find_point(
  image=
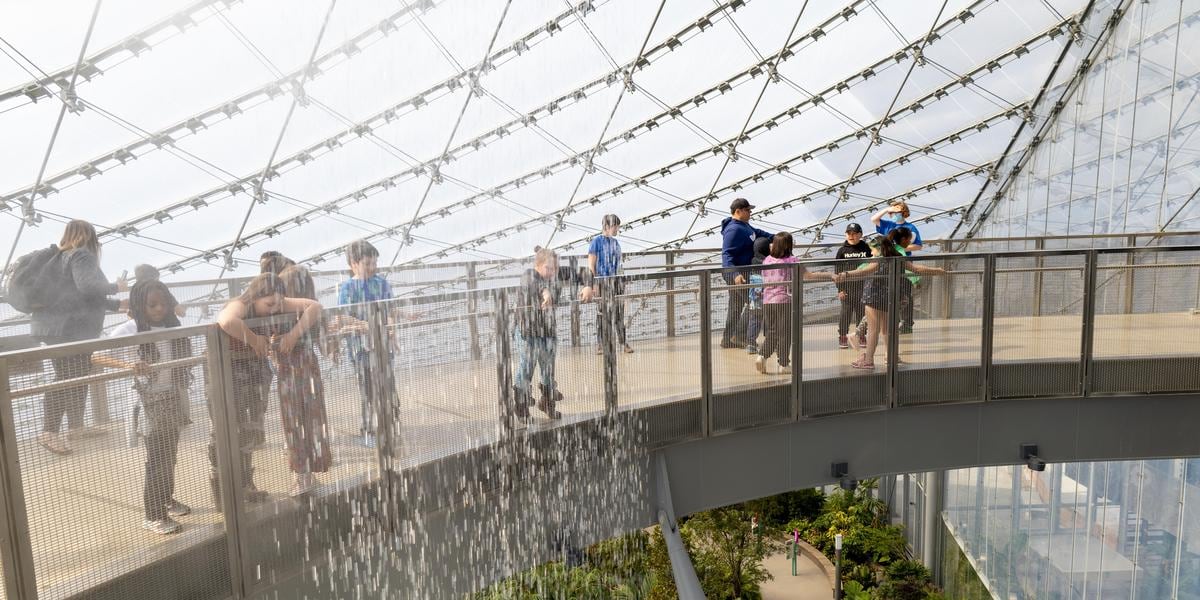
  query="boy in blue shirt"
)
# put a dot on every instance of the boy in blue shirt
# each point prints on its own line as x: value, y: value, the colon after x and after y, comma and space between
x: 604, y: 259
x: 900, y: 213
x: 365, y: 286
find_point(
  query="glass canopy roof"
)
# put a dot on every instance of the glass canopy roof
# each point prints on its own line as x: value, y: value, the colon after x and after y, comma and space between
x: 450, y: 130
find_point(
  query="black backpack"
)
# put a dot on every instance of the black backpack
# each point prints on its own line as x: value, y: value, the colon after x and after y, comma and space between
x: 37, y: 280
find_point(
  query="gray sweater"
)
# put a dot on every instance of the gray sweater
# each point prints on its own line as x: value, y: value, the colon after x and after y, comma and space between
x: 78, y: 314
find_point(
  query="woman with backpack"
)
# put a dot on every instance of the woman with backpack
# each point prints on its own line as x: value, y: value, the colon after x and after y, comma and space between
x: 77, y: 296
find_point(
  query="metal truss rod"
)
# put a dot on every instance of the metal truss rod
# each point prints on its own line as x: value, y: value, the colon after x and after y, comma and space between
x: 716, y: 149
x: 224, y: 111
x: 258, y: 196
x: 366, y: 128
x: 975, y: 214
x: 818, y: 227
x: 436, y: 164
x: 630, y: 88
x: 1143, y: 182
x: 69, y: 102
x: 633, y: 223
x: 917, y: 52
x: 912, y: 193
x: 529, y: 120
x: 129, y: 48
x: 731, y: 149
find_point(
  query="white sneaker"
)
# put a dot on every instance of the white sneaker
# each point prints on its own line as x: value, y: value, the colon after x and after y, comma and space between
x: 760, y: 364
x: 165, y: 526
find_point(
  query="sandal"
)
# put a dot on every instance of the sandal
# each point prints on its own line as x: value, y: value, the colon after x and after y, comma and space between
x: 51, y: 442
x: 862, y: 363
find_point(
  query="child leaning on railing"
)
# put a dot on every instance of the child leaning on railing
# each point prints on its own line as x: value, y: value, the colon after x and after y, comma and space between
x: 160, y: 409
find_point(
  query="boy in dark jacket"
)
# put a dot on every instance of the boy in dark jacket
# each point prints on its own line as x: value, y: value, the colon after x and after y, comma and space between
x: 850, y: 291
x: 737, y: 250
x: 535, y: 329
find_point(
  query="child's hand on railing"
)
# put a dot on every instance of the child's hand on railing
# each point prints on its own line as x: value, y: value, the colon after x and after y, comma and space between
x: 141, y: 368
x: 288, y: 341
x: 585, y: 294
x: 259, y: 344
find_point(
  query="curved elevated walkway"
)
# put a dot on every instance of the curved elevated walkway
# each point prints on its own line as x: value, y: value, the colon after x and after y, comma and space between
x: 466, y: 501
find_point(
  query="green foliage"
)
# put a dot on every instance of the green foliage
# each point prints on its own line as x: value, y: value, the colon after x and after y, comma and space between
x: 611, y: 569
x: 853, y: 590
x: 905, y: 580
x: 783, y: 508
x: 658, y: 563
x: 728, y: 553
x: 863, y: 522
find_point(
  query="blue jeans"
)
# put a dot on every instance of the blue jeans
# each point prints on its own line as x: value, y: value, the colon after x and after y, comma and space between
x: 366, y: 391
x: 534, y: 351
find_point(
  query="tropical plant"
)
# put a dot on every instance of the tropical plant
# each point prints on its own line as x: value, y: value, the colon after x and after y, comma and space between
x: 728, y: 551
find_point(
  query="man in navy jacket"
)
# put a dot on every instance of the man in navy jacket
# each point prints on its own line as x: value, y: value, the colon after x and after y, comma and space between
x: 737, y: 250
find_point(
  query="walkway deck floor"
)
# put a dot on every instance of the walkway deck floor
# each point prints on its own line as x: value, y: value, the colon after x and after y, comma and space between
x: 85, y: 509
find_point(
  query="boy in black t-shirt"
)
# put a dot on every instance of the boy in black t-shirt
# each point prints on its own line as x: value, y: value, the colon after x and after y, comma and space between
x: 850, y: 292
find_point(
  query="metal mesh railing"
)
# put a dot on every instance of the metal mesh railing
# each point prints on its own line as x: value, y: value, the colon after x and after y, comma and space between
x: 393, y: 386
x: 91, y: 489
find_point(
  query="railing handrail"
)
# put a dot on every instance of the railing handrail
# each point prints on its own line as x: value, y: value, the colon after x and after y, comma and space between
x: 106, y: 343
x: 216, y: 357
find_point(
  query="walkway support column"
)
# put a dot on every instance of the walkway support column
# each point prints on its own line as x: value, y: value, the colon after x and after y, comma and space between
x: 935, y: 482
x: 687, y: 584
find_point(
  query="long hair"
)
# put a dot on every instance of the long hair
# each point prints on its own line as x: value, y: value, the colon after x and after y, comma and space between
x: 298, y: 283
x: 266, y: 284
x: 80, y: 234
x: 887, y: 245
x: 782, y: 244
x: 139, y: 303
x: 273, y: 261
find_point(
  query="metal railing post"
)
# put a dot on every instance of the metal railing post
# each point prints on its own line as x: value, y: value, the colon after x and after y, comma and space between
x: 706, y: 385
x: 607, y: 313
x: 987, y: 319
x: 797, y: 309
x: 893, y: 325
x: 504, y: 377
x: 575, y: 309
x: 383, y: 392
x: 16, y: 552
x: 226, y: 436
x: 472, y: 309
x: 1089, y: 322
x: 1131, y: 241
x: 1038, y: 275
x: 670, y: 266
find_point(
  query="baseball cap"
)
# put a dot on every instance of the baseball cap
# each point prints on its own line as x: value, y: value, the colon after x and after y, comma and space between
x: 853, y: 228
x: 739, y: 204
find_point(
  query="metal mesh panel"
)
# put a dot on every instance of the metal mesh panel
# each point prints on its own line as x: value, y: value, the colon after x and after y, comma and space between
x: 445, y: 377
x: 940, y: 360
x: 1148, y: 300
x: 1038, y: 325
x: 86, y: 508
x: 749, y: 387
x: 312, y: 427
x: 579, y: 371
x: 831, y: 384
x: 661, y: 378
